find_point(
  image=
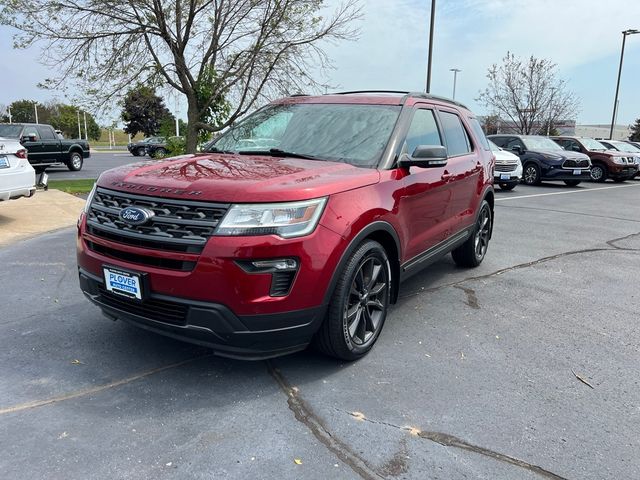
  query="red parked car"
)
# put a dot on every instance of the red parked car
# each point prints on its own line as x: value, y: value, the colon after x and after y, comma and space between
x: 298, y: 225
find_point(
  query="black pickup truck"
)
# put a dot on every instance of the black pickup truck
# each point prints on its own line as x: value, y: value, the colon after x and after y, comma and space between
x: 45, y: 148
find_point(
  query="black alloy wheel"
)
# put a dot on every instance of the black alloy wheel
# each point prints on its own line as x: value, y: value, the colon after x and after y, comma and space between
x: 359, y: 304
x: 473, y: 250
x: 572, y: 183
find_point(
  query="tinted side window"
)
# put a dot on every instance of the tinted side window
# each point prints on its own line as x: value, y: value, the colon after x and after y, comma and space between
x: 477, y: 131
x: 28, y: 131
x: 46, y: 133
x: 423, y: 131
x: 457, y: 138
x: 500, y: 141
x: 513, y: 142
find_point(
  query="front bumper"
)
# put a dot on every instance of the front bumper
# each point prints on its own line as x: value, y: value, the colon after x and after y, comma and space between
x: 249, y: 337
x: 566, y: 174
x: 514, y: 176
x: 623, y: 171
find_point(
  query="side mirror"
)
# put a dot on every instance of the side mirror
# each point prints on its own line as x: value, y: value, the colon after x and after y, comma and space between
x: 425, y: 156
x: 575, y: 148
x: 28, y: 138
x: 517, y: 149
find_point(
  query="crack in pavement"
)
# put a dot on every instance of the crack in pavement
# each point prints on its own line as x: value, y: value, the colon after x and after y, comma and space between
x: 570, y: 213
x: 97, y: 389
x: 610, y: 243
x: 447, y: 440
x: 472, y: 299
x: 305, y: 415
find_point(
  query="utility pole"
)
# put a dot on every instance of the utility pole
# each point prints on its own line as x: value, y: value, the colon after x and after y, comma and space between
x: 86, y: 136
x: 177, y: 120
x: 455, y: 77
x: 9, y: 110
x: 615, y: 101
x: 35, y: 107
x: 433, y: 19
x: 79, y: 131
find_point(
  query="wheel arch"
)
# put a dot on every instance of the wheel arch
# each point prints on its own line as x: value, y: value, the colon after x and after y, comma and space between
x: 383, y: 233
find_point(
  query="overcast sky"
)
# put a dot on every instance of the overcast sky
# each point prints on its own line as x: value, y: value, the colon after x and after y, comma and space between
x: 582, y: 36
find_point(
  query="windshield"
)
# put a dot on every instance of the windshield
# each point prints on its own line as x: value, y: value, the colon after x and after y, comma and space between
x: 540, y: 143
x: 350, y: 133
x: 625, y: 147
x: 494, y: 147
x: 593, y: 145
x: 10, y: 131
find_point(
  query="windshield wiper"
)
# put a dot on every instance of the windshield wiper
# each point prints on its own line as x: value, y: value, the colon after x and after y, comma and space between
x: 217, y: 150
x: 276, y: 152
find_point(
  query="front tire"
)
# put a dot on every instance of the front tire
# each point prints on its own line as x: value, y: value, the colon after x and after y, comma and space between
x: 531, y: 174
x: 507, y: 186
x: 572, y: 183
x: 75, y: 162
x: 598, y: 173
x: 359, y: 306
x: 140, y: 152
x: 471, y: 253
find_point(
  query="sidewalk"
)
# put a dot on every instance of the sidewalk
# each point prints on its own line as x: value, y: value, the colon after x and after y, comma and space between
x: 46, y: 211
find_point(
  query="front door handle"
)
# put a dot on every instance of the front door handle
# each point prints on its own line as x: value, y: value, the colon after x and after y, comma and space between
x: 446, y: 176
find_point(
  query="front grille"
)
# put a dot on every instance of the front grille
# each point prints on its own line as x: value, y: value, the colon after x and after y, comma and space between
x: 154, y: 309
x: 505, y: 168
x: 178, y: 225
x: 158, y: 262
x: 576, y: 164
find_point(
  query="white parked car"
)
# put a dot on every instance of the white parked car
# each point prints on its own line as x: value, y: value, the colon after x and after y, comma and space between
x: 508, y: 170
x: 17, y: 176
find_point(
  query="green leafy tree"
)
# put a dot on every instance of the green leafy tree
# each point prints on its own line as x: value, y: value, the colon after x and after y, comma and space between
x: 635, y: 131
x: 144, y: 111
x: 246, y: 51
x: 22, y: 111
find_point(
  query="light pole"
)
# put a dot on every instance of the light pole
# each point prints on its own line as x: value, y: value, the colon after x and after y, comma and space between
x: 630, y: 31
x: 455, y: 77
x: 433, y: 19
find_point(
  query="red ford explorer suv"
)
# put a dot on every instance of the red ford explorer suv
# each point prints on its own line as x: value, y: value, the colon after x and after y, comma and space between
x: 297, y: 225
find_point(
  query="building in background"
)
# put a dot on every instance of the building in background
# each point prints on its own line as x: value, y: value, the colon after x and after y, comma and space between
x: 493, y: 124
x: 620, y: 132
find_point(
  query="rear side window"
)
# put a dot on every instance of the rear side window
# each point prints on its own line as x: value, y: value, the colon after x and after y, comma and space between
x: 46, y: 133
x: 423, y: 131
x: 477, y: 131
x: 457, y: 139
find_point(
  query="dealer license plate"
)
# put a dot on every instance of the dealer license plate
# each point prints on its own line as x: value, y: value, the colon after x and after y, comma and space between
x: 577, y: 172
x: 4, y: 161
x: 123, y: 283
x: 505, y: 176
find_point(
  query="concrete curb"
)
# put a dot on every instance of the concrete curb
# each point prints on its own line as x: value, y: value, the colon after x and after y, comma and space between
x: 44, y: 212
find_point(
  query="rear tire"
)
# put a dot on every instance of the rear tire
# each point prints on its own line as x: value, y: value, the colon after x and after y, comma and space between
x: 471, y: 253
x: 359, y: 304
x: 75, y: 162
x: 572, y: 183
x: 140, y: 152
x: 620, y: 180
x: 160, y: 153
x: 39, y: 170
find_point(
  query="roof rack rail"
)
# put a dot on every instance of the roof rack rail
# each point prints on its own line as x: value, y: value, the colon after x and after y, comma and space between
x: 369, y: 91
x: 406, y: 94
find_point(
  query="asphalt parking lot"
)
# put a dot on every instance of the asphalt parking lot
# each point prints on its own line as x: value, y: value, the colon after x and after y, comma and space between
x: 98, y: 162
x: 526, y: 367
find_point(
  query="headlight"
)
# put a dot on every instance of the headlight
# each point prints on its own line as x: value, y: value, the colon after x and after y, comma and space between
x: 90, y: 198
x: 618, y: 160
x: 288, y: 220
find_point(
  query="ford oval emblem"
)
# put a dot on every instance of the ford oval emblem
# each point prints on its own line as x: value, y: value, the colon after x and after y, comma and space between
x: 136, y: 215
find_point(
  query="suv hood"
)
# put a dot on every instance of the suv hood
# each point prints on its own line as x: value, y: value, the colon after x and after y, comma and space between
x: 562, y: 155
x: 238, y: 178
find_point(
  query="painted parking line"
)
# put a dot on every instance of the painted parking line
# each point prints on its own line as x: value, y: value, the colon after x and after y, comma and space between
x: 566, y: 192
